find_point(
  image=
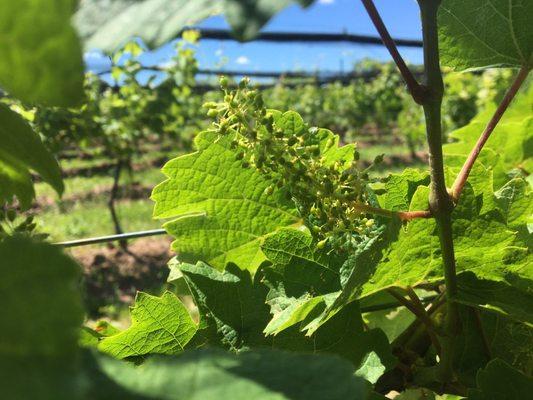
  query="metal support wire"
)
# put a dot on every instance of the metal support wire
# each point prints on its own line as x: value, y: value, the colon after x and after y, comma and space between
x: 305, y: 37
x: 110, y: 238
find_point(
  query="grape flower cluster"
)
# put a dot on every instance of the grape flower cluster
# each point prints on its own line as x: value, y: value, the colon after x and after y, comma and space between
x: 329, y: 190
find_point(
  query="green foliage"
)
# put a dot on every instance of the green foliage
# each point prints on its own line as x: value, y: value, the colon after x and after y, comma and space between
x: 108, y: 25
x: 160, y: 325
x: 499, y: 381
x: 263, y: 375
x: 223, y: 209
x: 484, y: 33
x: 22, y: 151
x: 41, y: 58
x: 220, y: 294
x: 510, y: 145
x: 41, y: 314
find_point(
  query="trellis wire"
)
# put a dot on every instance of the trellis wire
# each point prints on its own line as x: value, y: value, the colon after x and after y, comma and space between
x: 306, y: 37
x: 110, y: 238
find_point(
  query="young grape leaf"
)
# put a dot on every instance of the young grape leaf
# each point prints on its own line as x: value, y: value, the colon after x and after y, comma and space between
x: 298, y: 277
x: 21, y: 151
x: 232, y: 307
x: 107, y: 25
x: 230, y: 302
x: 516, y: 201
x: 41, y: 314
x: 223, y: 210
x: 486, y: 33
x: 160, y: 325
x: 41, y: 55
x: 400, y: 188
x: 500, y: 381
x: 261, y: 375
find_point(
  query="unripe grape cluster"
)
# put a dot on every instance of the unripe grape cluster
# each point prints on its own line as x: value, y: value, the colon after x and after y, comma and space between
x: 328, y: 191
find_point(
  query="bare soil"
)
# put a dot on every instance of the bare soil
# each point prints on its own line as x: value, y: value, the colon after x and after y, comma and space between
x: 112, y: 276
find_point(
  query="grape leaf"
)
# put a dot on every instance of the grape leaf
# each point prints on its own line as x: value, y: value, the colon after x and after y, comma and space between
x: 484, y: 245
x: 392, y: 321
x: 21, y: 151
x: 328, y: 282
x: 510, y: 298
x: 400, y: 188
x: 510, y: 145
x: 486, y: 33
x: 214, y: 374
x: 106, y: 25
x: 499, y: 381
x: 160, y: 325
x: 230, y: 302
x: 232, y: 307
x: 501, y: 338
x: 299, y: 275
x: 41, y: 314
x: 516, y: 202
x: 223, y: 212
x: 41, y: 55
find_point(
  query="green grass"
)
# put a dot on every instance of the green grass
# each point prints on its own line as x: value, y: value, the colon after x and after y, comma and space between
x: 81, y: 184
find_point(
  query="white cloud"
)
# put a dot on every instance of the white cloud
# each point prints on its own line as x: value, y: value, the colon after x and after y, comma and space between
x: 242, y: 60
x: 92, y: 55
x: 326, y: 2
x: 167, y: 64
x: 219, y: 52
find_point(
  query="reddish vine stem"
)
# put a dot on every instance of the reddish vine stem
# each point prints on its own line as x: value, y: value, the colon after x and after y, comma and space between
x: 402, y: 215
x: 461, y: 179
x: 410, y: 215
x: 415, y: 88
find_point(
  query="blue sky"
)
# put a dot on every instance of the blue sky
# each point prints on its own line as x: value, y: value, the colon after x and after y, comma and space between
x: 335, y: 16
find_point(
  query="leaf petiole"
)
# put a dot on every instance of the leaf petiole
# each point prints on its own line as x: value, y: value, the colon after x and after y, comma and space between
x: 462, y: 177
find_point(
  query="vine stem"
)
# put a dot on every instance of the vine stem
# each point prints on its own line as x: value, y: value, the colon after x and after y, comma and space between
x: 416, y: 90
x: 461, y: 179
x: 417, y: 308
x: 440, y: 202
x: 402, y: 215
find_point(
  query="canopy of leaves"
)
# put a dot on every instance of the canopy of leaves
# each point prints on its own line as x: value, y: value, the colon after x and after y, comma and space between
x: 261, y: 375
x: 234, y: 313
x: 106, y: 25
x: 160, y: 325
x: 491, y: 252
x: 223, y: 211
x: 41, y: 55
x: 499, y: 381
x: 486, y: 33
x: 501, y: 338
x: 22, y: 151
x: 40, y: 314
